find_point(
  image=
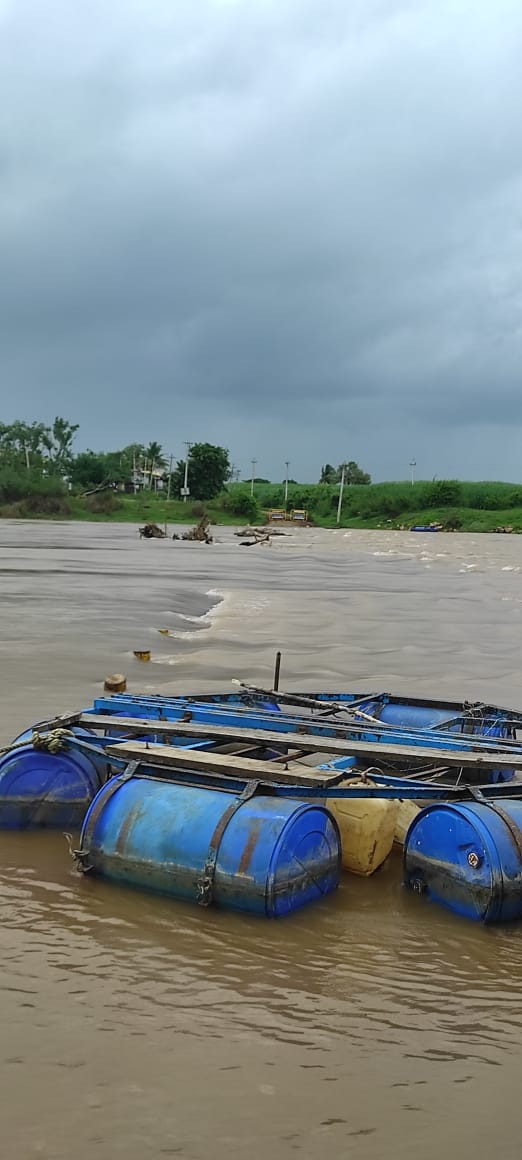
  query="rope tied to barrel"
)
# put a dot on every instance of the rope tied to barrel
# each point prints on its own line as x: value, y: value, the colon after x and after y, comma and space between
x: 50, y: 742
x: 79, y: 857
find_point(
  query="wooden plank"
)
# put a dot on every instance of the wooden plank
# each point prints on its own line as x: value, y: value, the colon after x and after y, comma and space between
x: 179, y: 727
x: 203, y: 761
x: 61, y: 722
x: 378, y: 752
x: 137, y: 725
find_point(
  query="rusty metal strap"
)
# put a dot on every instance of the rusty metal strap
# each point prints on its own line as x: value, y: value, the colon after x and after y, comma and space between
x: 204, y: 887
x: 81, y: 856
x: 514, y: 830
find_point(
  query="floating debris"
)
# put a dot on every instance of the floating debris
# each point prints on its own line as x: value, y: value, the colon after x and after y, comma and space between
x: 200, y: 532
x: 117, y: 683
x: 152, y: 532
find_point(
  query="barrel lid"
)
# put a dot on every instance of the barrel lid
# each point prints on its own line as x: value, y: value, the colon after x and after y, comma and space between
x: 449, y: 855
x: 26, y: 771
x: 306, y: 858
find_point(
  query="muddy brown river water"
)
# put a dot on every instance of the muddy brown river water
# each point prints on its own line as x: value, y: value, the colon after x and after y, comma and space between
x: 371, y: 1026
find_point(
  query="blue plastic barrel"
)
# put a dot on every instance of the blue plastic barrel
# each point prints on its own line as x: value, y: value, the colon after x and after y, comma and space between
x: 40, y: 789
x: 468, y: 857
x: 253, y: 853
x: 98, y: 759
x: 407, y: 716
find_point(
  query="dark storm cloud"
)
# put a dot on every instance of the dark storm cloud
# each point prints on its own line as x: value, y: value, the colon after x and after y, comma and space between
x: 293, y: 227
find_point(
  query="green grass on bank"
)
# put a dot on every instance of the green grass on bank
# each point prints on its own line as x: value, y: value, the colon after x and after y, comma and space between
x: 469, y: 520
x: 458, y: 506
x: 148, y: 508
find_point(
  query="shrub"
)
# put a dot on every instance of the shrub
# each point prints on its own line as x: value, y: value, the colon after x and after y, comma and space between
x: 44, y: 505
x: 442, y: 493
x: 241, y: 503
x: 102, y: 504
x: 20, y: 486
x: 198, y: 510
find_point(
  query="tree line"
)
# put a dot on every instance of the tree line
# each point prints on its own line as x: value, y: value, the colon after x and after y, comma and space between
x: 33, y: 454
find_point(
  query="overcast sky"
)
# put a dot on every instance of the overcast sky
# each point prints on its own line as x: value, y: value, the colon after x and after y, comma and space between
x: 292, y: 227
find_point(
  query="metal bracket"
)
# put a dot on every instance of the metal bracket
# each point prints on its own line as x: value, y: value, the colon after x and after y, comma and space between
x: 204, y: 887
x: 107, y: 791
x: 515, y: 832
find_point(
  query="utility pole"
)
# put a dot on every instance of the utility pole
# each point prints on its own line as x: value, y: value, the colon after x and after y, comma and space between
x: 341, y: 489
x: 185, y: 491
x: 254, y: 465
x: 287, y: 465
x: 168, y: 490
x: 413, y: 464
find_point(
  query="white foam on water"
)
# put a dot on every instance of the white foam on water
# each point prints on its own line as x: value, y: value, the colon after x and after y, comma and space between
x: 183, y: 634
x: 205, y: 616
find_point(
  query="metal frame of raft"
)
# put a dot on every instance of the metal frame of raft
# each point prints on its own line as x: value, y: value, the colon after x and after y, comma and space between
x: 146, y: 763
x: 105, y: 714
x: 358, y: 724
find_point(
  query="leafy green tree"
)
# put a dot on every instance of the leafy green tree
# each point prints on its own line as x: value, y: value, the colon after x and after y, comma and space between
x: 354, y: 474
x: 58, y: 441
x: 88, y: 469
x: 329, y: 474
x: 22, y: 445
x: 130, y: 457
x: 208, y: 471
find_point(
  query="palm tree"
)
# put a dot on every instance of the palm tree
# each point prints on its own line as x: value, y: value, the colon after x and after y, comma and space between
x: 155, y: 458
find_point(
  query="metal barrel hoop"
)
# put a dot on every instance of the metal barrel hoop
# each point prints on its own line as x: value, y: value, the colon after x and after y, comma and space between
x: 205, y: 885
x: 111, y: 787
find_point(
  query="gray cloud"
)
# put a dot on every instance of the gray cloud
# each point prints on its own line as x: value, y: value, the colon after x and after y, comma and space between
x: 291, y: 227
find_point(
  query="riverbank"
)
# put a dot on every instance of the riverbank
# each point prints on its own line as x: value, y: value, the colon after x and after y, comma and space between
x: 149, y: 508
x: 107, y: 507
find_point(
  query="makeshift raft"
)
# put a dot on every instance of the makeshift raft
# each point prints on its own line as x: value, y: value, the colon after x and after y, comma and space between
x: 253, y: 799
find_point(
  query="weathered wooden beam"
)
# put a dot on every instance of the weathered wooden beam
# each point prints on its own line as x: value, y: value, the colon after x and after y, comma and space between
x: 203, y: 761
x: 379, y: 752
x: 61, y: 722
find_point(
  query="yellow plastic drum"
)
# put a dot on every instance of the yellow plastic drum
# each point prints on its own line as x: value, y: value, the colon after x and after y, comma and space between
x: 367, y: 828
x: 407, y: 812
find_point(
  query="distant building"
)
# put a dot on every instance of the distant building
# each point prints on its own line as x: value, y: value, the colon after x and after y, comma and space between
x: 142, y: 479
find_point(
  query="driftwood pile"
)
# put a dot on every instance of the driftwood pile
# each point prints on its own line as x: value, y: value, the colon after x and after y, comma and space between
x: 200, y: 532
x: 151, y: 532
x: 261, y: 536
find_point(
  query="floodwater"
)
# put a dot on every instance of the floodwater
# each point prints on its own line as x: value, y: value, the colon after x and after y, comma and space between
x: 371, y: 1026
